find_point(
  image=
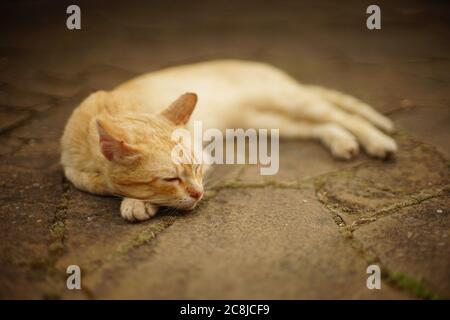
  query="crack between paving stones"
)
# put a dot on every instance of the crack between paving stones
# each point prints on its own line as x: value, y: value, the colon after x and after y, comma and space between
x: 23, y: 143
x: 57, y: 229
x: 397, y: 280
x: 56, y: 248
x: 146, y: 237
x: 413, y: 200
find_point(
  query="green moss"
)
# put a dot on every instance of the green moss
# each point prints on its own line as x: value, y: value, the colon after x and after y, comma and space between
x: 408, y: 283
x: 268, y: 183
x: 57, y: 231
x: 58, y: 227
x: 144, y: 237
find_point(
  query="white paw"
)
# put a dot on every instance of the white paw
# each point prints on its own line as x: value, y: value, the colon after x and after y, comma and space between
x: 345, y: 148
x: 381, y: 121
x: 381, y: 147
x: 137, y: 210
x: 385, y: 124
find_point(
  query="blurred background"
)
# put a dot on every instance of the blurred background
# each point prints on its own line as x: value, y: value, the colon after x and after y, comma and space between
x: 315, y: 41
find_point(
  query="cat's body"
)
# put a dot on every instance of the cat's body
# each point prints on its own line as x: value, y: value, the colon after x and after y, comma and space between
x: 132, y: 122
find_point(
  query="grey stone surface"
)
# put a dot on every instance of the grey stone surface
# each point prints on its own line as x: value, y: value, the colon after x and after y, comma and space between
x: 376, y: 188
x: 414, y: 241
x: 298, y: 161
x: 427, y: 124
x: 15, y: 97
x: 244, y: 243
x: 11, y: 118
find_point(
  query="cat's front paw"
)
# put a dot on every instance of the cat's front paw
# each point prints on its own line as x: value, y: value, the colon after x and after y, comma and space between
x: 137, y: 210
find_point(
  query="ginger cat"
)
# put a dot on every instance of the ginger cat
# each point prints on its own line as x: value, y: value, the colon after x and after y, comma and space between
x: 119, y: 142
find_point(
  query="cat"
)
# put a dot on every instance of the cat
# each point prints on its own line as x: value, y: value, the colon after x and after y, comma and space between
x: 119, y: 142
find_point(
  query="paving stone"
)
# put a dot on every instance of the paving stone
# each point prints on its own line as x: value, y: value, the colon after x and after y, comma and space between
x: 104, y: 77
x: 25, y: 231
x: 244, y: 243
x: 30, y: 185
x: 298, y: 161
x: 10, y: 144
x: 11, y: 118
x: 93, y: 223
x: 14, y: 97
x: 49, y: 127
x: 34, y: 154
x: 418, y: 172
x: 222, y: 175
x: 96, y: 235
x: 414, y: 241
x: 28, y: 204
x: 427, y: 123
x: 51, y: 84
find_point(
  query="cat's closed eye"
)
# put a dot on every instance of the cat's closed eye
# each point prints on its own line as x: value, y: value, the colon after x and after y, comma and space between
x: 172, y: 179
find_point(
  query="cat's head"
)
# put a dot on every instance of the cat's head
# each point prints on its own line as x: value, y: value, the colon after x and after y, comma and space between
x: 138, y: 148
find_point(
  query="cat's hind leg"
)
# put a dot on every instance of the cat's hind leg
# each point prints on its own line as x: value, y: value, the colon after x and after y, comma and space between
x: 339, y: 141
x: 304, y: 105
x: 137, y: 210
x: 87, y: 181
x: 355, y: 106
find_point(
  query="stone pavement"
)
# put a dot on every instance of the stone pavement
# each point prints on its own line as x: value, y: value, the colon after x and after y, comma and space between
x: 308, y: 232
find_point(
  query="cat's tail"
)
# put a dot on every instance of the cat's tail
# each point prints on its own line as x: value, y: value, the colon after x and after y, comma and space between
x: 353, y: 105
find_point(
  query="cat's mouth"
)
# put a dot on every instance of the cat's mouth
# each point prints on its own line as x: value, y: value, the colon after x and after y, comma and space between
x: 188, y: 207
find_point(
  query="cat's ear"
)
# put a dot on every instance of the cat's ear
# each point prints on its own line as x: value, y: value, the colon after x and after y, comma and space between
x: 181, y: 109
x: 113, y: 143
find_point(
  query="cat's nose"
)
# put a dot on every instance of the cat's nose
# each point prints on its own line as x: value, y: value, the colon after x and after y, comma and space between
x: 196, y: 194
